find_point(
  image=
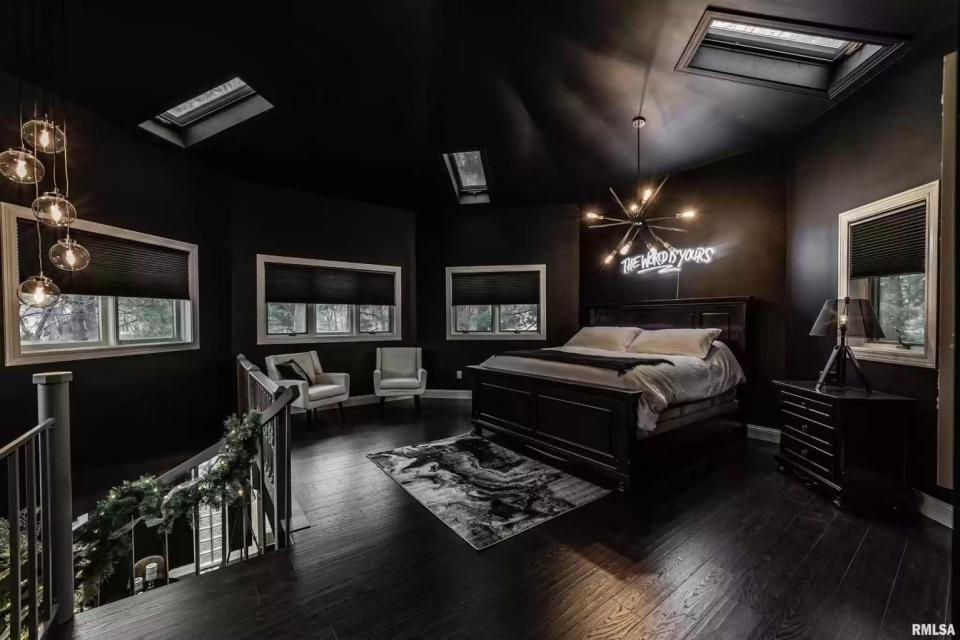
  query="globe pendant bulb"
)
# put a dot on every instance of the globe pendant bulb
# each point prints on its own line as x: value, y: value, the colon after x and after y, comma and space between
x: 53, y: 210
x: 38, y: 292
x: 21, y: 166
x: 44, y: 136
x: 69, y: 255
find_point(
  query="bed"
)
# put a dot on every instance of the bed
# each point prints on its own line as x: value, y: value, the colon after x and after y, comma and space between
x: 594, y: 418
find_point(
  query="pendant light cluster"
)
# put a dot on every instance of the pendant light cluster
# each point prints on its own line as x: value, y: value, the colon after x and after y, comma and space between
x: 22, y: 165
x: 636, y: 215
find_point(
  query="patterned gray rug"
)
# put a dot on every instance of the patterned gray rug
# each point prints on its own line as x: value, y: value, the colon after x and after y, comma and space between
x: 484, y: 492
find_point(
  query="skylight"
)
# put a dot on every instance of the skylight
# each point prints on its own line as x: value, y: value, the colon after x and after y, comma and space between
x: 207, y: 102
x: 468, y: 175
x: 803, y: 40
x: 469, y: 167
x: 208, y: 113
x: 783, y: 54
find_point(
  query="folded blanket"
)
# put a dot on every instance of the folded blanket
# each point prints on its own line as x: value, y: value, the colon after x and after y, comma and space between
x: 620, y: 365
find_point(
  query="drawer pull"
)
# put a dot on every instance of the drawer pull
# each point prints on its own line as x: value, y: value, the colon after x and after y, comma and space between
x: 804, y: 427
x: 804, y: 452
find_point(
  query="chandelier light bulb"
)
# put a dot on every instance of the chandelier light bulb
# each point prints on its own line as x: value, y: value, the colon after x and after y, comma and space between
x: 633, y: 207
x: 610, y: 257
x: 53, y: 210
x: 625, y: 249
x: 647, y: 194
x: 21, y: 166
x: 38, y: 292
x: 689, y: 213
x: 44, y: 136
x: 593, y: 216
x: 69, y: 255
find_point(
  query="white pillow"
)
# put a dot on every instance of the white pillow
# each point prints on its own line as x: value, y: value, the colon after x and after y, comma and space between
x: 675, y: 342
x: 607, y: 338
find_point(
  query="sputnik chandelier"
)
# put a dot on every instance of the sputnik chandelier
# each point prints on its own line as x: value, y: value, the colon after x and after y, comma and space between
x: 640, y: 226
x: 50, y: 208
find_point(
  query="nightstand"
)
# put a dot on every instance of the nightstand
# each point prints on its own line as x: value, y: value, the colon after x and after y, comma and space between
x: 852, y: 443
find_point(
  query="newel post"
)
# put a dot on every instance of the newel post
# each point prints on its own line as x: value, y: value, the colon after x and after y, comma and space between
x: 53, y: 401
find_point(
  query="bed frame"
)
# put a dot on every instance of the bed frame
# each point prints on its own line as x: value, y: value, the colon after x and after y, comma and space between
x: 590, y: 425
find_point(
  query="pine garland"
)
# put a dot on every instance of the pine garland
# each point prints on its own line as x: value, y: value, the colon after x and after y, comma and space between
x: 224, y: 483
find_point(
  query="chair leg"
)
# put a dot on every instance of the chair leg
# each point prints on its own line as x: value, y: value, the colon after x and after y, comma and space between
x: 342, y: 413
x: 416, y: 402
x: 309, y: 419
x: 383, y: 399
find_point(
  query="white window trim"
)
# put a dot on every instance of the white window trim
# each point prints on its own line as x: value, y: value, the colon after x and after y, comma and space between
x: 885, y: 352
x: 266, y: 338
x: 13, y: 353
x: 540, y: 335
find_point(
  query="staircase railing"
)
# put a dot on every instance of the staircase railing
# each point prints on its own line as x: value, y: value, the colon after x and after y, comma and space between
x: 27, y: 587
x: 270, y: 475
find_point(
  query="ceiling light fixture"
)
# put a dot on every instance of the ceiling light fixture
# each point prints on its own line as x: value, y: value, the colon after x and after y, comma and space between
x: 51, y: 208
x: 636, y: 216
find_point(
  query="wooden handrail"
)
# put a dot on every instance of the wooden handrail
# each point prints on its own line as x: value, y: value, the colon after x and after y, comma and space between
x: 22, y: 439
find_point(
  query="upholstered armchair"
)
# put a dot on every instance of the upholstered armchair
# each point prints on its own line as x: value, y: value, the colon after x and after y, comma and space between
x: 399, y: 372
x: 320, y: 390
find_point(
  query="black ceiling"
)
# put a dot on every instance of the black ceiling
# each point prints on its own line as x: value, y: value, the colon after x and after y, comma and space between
x: 367, y: 92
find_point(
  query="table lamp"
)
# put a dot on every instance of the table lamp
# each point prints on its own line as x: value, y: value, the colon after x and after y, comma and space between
x: 849, y: 317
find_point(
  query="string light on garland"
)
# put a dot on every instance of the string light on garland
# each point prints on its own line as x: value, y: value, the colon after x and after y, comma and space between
x: 226, y: 481
x: 636, y: 214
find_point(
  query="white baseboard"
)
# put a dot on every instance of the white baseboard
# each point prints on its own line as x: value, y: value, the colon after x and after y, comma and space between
x: 449, y: 394
x: 370, y: 398
x: 767, y: 434
x: 936, y: 510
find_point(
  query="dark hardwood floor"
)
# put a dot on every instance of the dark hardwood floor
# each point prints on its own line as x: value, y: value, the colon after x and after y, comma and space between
x: 715, y: 543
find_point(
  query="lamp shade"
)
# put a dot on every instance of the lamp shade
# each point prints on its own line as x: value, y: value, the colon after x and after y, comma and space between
x: 856, y: 313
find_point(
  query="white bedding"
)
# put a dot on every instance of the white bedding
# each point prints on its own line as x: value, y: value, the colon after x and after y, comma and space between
x: 687, y: 380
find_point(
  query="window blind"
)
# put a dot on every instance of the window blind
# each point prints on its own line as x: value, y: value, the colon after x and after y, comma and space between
x: 118, y: 267
x: 495, y: 287
x: 889, y: 245
x: 327, y: 285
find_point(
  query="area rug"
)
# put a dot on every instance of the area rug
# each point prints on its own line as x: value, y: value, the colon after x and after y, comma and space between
x: 484, y: 492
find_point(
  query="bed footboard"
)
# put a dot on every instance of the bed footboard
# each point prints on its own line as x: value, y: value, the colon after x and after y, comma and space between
x: 579, y: 424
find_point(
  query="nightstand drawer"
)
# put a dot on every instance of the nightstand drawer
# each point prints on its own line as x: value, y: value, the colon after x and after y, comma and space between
x: 803, y: 427
x: 808, y: 454
x: 807, y: 407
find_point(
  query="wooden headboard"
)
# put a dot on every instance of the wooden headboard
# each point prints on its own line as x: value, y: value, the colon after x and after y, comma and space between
x: 727, y: 314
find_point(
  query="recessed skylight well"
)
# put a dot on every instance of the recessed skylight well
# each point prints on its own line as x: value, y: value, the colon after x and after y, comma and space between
x: 208, y: 113
x: 468, y: 175
x: 783, y: 54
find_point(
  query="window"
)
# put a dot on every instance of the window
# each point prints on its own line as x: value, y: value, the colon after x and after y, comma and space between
x: 137, y: 296
x: 497, y: 302
x: 888, y: 255
x: 468, y: 175
x: 304, y: 300
x: 783, y: 54
x: 208, y: 113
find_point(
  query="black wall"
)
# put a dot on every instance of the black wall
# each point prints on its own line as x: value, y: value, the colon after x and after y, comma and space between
x: 881, y: 141
x: 278, y: 221
x: 134, y: 408
x: 740, y: 204
x: 489, y: 235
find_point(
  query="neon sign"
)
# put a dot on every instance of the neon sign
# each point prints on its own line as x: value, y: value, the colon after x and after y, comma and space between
x: 667, y: 260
